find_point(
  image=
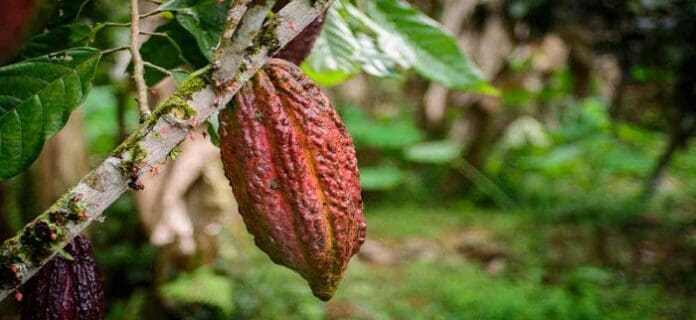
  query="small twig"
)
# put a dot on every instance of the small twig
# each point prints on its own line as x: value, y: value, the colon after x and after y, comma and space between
x: 112, y: 50
x: 149, y: 14
x: 156, y: 34
x: 138, y: 72
x: 116, y: 24
x: 79, y: 10
x: 155, y: 1
x: 158, y: 68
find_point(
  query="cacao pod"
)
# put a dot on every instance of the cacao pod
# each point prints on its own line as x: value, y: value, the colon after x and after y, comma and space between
x: 292, y: 167
x: 66, y: 289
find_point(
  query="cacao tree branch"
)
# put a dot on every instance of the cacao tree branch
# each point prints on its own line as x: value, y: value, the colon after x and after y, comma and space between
x: 154, y: 141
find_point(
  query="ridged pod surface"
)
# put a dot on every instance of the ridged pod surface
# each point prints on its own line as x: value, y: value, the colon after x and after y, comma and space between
x: 292, y: 167
x: 66, y: 289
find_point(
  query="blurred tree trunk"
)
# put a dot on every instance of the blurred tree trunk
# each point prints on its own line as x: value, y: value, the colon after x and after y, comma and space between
x: 63, y: 161
x: 483, y: 34
x: 682, y: 123
x: 433, y: 100
x: 5, y: 228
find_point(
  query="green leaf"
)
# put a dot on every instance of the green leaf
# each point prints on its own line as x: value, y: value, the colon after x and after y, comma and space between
x: 435, y: 152
x: 184, y: 4
x: 204, y: 25
x: 57, y: 39
x: 334, y: 56
x: 437, y: 55
x: 213, y: 125
x: 380, y: 178
x: 390, y: 134
x: 326, y: 78
x: 202, y: 286
x: 375, y: 62
x: 36, y: 98
x: 203, y: 19
x: 170, y: 52
x: 64, y: 11
x: 388, y: 45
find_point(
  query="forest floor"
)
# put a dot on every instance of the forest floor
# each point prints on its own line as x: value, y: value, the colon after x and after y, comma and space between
x: 462, y: 262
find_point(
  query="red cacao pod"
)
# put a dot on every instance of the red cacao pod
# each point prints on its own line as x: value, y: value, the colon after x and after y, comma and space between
x: 66, y: 289
x: 292, y: 167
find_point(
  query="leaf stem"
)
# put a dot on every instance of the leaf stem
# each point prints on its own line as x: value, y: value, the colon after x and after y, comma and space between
x: 149, y: 14
x: 158, y: 68
x: 112, y: 50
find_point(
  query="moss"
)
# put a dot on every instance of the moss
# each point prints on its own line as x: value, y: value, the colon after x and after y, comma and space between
x: 178, y: 101
x: 77, y: 212
x: 130, y: 143
x: 175, y: 152
x: 39, y: 239
x: 266, y: 37
x: 137, y: 156
x: 318, y: 3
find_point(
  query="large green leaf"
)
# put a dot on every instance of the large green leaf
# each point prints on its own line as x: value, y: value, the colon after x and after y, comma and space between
x: 36, y: 98
x: 57, y: 39
x: 184, y: 4
x: 351, y: 41
x: 166, y: 52
x: 387, y: 48
x: 203, y: 19
x: 334, y: 58
x: 437, y: 55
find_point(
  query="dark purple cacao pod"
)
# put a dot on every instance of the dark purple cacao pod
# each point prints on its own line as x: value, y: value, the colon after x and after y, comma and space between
x: 293, y: 171
x: 66, y: 289
x: 297, y: 50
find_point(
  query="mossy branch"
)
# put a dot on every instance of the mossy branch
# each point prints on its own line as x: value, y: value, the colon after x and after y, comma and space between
x: 239, y: 55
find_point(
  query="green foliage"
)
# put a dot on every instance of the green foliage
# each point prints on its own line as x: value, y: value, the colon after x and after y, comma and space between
x: 36, y: 98
x: 380, y: 178
x: 434, y: 152
x: 202, y: 286
x: 202, y: 19
x: 392, y: 36
x: 58, y: 39
x: 335, y: 54
x: 588, y: 167
x: 436, y: 55
x: 390, y: 133
x: 438, y: 285
x: 166, y: 51
x: 100, y: 120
